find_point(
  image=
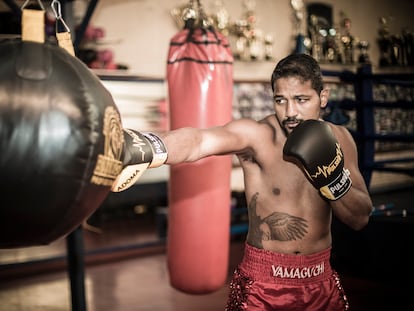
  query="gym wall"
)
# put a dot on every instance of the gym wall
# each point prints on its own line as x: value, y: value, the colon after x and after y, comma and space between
x: 139, y: 31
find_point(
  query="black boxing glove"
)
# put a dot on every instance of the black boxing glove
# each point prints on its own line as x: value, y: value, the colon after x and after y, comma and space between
x: 141, y: 151
x: 316, y: 147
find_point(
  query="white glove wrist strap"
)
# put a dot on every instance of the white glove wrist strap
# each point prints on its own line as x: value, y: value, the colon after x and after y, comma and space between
x: 337, y: 188
x: 159, y: 150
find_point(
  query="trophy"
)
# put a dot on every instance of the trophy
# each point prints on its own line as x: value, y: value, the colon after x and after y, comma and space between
x: 348, y: 40
x: 384, y: 43
x: 363, y: 57
x: 297, y: 6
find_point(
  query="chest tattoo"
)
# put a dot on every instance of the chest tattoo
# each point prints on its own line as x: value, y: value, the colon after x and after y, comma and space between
x: 277, y: 226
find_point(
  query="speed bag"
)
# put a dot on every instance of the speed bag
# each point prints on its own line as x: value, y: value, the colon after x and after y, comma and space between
x: 61, y: 142
x: 200, y: 89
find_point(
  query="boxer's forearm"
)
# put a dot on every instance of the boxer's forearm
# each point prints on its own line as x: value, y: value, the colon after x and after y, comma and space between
x: 354, y: 208
x: 183, y: 145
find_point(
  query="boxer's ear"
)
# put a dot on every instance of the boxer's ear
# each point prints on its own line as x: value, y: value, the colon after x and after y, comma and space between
x: 324, y: 96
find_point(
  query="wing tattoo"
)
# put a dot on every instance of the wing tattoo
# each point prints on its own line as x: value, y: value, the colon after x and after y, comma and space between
x: 280, y: 226
x: 285, y: 227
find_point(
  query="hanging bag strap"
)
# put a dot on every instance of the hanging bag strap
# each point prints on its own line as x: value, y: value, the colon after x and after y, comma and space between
x: 64, y: 38
x: 33, y: 23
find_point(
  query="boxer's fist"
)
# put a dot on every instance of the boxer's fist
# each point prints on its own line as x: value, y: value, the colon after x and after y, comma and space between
x: 140, y: 151
x: 316, y: 147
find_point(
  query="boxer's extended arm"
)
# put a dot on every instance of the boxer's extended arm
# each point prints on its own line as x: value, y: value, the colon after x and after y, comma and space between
x: 315, y: 146
x: 183, y: 144
x: 191, y: 144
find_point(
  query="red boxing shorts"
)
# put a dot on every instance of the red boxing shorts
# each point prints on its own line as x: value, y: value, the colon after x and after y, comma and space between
x: 266, y: 280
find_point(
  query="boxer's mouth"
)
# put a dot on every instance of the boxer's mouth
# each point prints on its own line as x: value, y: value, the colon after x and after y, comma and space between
x: 291, y: 123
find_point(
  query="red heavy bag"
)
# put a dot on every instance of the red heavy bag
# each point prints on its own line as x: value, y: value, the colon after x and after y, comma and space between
x: 200, y: 86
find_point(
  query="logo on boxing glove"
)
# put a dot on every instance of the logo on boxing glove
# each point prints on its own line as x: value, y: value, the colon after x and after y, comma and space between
x: 337, y: 188
x: 326, y: 171
x: 341, y: 184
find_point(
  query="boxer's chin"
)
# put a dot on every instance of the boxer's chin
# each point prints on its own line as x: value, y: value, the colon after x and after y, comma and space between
x: 290, y: 126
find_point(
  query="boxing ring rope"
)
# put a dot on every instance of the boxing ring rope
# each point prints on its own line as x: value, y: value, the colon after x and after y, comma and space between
x: 365, y: 134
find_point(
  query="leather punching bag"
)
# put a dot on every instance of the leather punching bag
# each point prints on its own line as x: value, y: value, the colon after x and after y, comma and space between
x: 60, y: 139
x: 200, y: 88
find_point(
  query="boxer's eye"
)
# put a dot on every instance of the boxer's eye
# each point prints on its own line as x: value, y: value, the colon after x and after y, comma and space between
x: 280, y: 100
x: 302, y: 99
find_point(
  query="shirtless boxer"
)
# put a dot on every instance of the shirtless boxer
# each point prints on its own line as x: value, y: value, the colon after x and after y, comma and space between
x: 290, y: 200
x: 296, y: 174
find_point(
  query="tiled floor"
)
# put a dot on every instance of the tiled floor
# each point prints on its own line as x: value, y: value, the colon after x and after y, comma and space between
x: 132, y: 284
x: 126, y: 271
x: 142, y: 284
